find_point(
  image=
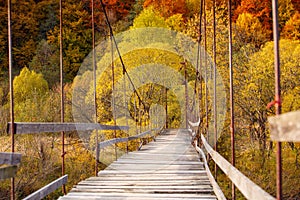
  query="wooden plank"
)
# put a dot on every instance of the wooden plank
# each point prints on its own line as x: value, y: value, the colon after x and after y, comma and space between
x: 10, y: 158
x: 248, y: 188
x: 41, y: 193
x: 153, y: 177
x: 285, y: 127
x: 147, y: 187
x: 145, y: 183
x: 52, y: 127
x: 161, y: 154
x: 8, y: 172
x: 140, y: 196
x: 142, y: 190
x: 161, y: 171
x: 154, y: 167
x: 158, y: 162
x: 134, y: 198
x: 174, y: 158
x: 169, y: 169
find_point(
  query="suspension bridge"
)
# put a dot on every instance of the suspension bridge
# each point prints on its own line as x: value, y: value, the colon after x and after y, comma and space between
x: 169, y: 163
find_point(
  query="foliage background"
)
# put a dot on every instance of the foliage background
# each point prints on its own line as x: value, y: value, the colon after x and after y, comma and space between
x: 36, y: 70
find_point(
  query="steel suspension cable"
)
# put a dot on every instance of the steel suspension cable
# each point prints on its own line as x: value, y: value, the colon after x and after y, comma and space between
x: 62, y: 106
x: 119, y: 53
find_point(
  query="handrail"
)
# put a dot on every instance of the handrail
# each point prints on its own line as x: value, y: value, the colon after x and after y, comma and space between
x: 248, y: 188
x: 219, y: 193
x: 10, y: 158
x: 113, y: 141
x: 52, y: 127
x: 44, y: 191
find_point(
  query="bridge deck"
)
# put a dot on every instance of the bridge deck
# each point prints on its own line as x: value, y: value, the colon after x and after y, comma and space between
x: 169, y: 168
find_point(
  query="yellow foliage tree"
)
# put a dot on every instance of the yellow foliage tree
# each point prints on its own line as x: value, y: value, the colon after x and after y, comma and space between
x: 292, y: 28
x: 250, y: 30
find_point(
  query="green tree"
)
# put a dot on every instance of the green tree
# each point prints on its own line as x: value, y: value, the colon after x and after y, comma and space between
x: 46, y: 13
x: 28, y: 84
x: 30, y: 90
x: 77, y: 36
x: 24, y: 34
x: 46, y: 61
x: 3, y: 41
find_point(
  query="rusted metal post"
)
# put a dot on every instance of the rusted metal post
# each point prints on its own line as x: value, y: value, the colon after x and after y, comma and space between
x: 11, y: 91
x: 206, y: 79
x: 186, y: 95
x: 199, y: 65
x: 166, y: 105
x: 140, y: 117
x: 62, y: 106
x: 215, y: 83
x: 125, y: 107
x: 95, y: 87
x: 277, y: 95
x: 135, y: 116
x: 232, y: 127
x: 113, y: 85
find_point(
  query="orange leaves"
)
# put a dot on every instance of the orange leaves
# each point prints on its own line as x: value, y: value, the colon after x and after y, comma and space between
x: 260, y: 9
x: 167, y: 8
x: 120, y: 7
x: 292, y: 27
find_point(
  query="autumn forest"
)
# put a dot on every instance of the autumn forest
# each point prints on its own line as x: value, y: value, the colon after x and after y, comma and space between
x: 36, y: 72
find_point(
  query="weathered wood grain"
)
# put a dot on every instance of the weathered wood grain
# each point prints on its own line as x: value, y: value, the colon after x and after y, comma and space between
x: 169, y: 168
x: 285, y: 127
x: 51, y: 127
x: 121, y: 196
x: 248, y: 188
x: 10, y: 158
x: 41, y: 193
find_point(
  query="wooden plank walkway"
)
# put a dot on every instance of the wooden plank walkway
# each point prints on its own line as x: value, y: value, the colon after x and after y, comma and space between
x: 169, y: 168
